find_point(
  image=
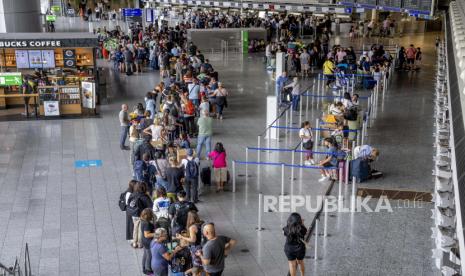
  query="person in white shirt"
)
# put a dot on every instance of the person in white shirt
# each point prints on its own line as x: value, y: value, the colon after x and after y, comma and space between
x: 336, y: 109
x: 155, y: 130
x: 161, y: 204
x: 347, y: 101
x: 305, y: 134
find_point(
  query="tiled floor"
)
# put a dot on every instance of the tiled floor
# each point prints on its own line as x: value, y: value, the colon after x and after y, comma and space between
x: 71, y: 221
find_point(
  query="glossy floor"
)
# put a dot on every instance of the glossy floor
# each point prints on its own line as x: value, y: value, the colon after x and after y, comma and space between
x: 71, y: 221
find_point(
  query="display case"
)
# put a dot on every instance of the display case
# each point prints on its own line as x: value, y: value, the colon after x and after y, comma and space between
x: 67, y: 98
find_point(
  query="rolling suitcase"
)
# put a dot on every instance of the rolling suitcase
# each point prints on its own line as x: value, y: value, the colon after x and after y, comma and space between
x: 205, y: 176
x: 360, y: 169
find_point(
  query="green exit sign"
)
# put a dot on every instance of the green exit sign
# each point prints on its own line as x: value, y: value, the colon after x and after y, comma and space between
x: 55, y: 8
x: 50, y: 18
x: 9, y: 79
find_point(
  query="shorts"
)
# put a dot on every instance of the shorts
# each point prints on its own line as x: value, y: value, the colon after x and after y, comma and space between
x: 220, y: 174
x: 294, y: 253
x: 139, y: 61
x: 410, y: 60
x: 305, y: 67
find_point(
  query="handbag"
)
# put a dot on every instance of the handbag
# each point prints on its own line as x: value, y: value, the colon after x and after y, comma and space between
x: 308, y: 145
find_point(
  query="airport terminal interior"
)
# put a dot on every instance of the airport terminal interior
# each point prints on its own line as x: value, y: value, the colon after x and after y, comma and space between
x: 236, y: 138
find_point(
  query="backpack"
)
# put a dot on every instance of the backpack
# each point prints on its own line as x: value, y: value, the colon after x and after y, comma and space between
x: 192, y: 169
x: 351, y: 114
x: 122, y: 201
x: 140, y: 170
x: 180, y: 218
x: 190, y: 108
x: 134, y: 206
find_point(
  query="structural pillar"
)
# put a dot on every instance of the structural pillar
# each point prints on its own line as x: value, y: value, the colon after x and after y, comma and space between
x: 20, y: 16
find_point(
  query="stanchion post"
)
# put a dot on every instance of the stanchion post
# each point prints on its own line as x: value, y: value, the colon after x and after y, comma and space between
x: 301, y: 152
x: 268, y: 142
x: 258, y: 146
x: 260, y: 199
x: 341, y: 177
x: 300, y: 110
x: 353, y: 197
x: 282, y: 178
x: 318, y: 88
x: 234, y: 176
x: 306, y: 103
x: 246, y: 162
x: 347, y: 171
x: 292, y: 169
x: 359, y: 134
x: 316, y: 239
x: 325, y: 224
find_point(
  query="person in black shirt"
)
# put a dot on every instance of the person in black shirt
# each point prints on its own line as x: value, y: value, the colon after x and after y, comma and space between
x: 174, y: 176
x: 294, y: 248
x: 147, y: 229
x: 179, y: 212
x: 145, y: 147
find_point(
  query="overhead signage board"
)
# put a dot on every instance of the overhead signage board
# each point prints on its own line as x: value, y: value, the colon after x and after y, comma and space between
x: 390, y: 5
x: 132, y: 12
x: 8, y: 79
x: 417, y: 6
x: 369, y: 4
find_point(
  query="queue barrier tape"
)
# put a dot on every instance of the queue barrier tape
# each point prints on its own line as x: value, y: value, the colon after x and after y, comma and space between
x: 321, y: 129
x: 291, y: 150
x: 330, y: 96
x: 286, y: 165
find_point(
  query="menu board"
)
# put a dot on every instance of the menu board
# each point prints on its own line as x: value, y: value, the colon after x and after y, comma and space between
x: 390, y: 4
x: 22, y: 59
x: 48, y: 58
x: 418, y: 5
x: 35, y: 58
x: 361, y: 3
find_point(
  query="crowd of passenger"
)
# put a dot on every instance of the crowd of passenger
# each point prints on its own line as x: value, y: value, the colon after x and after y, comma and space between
x: 162, y: 130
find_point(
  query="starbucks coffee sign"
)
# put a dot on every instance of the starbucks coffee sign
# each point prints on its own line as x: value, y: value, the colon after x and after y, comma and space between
x: 29, y: 44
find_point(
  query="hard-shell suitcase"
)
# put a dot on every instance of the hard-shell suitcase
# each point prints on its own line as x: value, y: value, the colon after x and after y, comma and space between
x: 360, y: 169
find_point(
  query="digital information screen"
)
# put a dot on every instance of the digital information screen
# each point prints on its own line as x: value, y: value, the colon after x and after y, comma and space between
x: 362, y: 3
x: 390, y: 4
x: 48, y: 58
x: 35, y: 58
x: 418, y: 5
x: 22, y: 59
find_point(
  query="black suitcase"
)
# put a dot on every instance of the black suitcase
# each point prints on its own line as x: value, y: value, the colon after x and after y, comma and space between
x: 205, y: 176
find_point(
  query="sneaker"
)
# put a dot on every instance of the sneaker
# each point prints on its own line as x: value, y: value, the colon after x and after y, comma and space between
x: 307, y: 163
x: 312, y: 162
x: 323, y: 178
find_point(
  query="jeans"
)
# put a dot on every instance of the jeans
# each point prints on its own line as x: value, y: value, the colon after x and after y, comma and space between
x: 124, y: 135
x: 201, y: 140
x: 161, y: 182
x: 295, y: 102
x: 219, y: 109
x: 196, y: 102
x: 147, y: 260
x: 154, y: 64
x: 191, y: 185
x: 190, y: 125
x: 131, y: 156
